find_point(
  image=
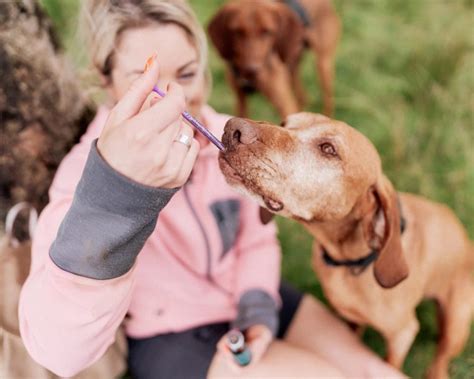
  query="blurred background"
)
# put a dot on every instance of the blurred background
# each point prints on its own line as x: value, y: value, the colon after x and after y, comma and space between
x: 404, y: 78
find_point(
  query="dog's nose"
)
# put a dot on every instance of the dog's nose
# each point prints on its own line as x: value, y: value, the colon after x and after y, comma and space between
x: 239, y: 131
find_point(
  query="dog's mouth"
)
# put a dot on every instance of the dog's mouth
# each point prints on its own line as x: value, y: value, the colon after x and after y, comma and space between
x: 229, y: 172
x: 236, y: 179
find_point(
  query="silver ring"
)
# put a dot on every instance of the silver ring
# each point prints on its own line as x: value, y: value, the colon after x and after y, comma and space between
x: 184, y: 139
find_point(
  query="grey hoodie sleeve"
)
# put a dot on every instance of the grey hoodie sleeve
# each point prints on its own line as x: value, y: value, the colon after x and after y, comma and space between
x: 257, y: 307
x: 108, y: 223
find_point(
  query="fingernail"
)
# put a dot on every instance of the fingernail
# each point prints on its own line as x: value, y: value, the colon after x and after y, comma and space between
x: 151, y: 59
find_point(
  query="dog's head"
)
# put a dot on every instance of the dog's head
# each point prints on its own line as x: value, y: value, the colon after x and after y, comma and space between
x: 317, y: 170
x: 246, y: 32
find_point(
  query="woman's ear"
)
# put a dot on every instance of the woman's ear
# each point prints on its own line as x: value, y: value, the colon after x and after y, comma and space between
x: 383, y: 233
x: 107, y: 86
x: 105, y: 81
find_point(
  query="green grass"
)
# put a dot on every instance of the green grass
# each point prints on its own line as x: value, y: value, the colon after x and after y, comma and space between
x: 405, y: 78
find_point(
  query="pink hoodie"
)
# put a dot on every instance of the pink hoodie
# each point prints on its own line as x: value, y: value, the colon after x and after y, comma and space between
x: 182, y: 278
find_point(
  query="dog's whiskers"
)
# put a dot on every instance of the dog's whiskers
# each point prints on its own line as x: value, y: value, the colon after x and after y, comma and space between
x: 265, y: 161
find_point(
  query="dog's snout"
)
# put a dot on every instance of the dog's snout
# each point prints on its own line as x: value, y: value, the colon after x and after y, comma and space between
x: 239, y: 131
x: 236, y: 136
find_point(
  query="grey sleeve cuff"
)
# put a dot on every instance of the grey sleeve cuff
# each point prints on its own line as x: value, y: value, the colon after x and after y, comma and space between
x: 257, y: 307
x: 110, y: 219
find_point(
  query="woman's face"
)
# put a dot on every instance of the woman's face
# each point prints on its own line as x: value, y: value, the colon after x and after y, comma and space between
x: 176, y: 56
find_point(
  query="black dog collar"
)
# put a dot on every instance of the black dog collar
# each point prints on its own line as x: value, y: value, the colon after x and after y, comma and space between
x: 358, y: 266
x: 296, y: 7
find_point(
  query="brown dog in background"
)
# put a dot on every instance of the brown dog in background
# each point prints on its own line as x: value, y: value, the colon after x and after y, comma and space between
x: 263, y: 41
x: 328, y: 176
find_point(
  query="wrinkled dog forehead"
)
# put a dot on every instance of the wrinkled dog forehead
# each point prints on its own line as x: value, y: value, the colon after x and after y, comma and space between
x: 309, y: 127
x: 304, y: 120
x: 318, y: 125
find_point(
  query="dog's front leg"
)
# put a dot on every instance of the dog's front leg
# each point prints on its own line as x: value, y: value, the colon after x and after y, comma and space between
x: 323, y: 39
x: 298, y: 87
x: 399, y: 341
x: 325, y: 67
x: 276, y: 84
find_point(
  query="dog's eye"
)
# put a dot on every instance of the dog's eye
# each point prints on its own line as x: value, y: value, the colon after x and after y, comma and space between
x: 328, y: 149
x: 265, y: 32
x: 283, y: 123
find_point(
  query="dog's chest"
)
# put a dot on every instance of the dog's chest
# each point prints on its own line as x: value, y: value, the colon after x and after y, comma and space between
x: 246, y: 83
x: 345, y: 291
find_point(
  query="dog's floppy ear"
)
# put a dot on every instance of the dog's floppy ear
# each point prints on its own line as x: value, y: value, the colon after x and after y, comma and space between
x: 290, y: 35
x: 219, y: 32
x: 383, y: 233
x: 265, y: 215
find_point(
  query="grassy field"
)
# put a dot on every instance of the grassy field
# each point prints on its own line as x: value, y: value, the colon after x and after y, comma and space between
x: 405, y: 78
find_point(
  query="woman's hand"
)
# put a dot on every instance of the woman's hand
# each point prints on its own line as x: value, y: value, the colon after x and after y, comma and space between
x: 257, y: 338
x: 139, y: 140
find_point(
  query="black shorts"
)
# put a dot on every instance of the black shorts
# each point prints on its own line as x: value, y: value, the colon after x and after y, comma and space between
x: 188, y: 354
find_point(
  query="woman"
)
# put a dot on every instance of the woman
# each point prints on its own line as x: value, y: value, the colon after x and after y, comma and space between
x: 179, y: 281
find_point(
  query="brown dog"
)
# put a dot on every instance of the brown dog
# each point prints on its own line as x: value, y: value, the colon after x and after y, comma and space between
x: 263, y: 40
x: 328, y: 176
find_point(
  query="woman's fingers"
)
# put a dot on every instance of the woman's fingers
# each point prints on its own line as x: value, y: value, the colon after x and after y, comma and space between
x: 258, y: 347
x: 130, y: 104
x: 188, y: 163
x: 161, y: 144
x: 151, y: 100
x: 226, y: 354
x: 222, y: 346
x: 160, y: 115
x: 259, y: 338
x: 186, y: 167
x: 182, y: 142
x: 177, y: 151
x: 139, y: 137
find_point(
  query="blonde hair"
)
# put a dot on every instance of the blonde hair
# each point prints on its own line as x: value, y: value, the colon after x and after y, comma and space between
x: 103, y: 21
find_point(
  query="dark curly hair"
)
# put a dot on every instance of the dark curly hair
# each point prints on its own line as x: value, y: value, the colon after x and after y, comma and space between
x: 42, y: 110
